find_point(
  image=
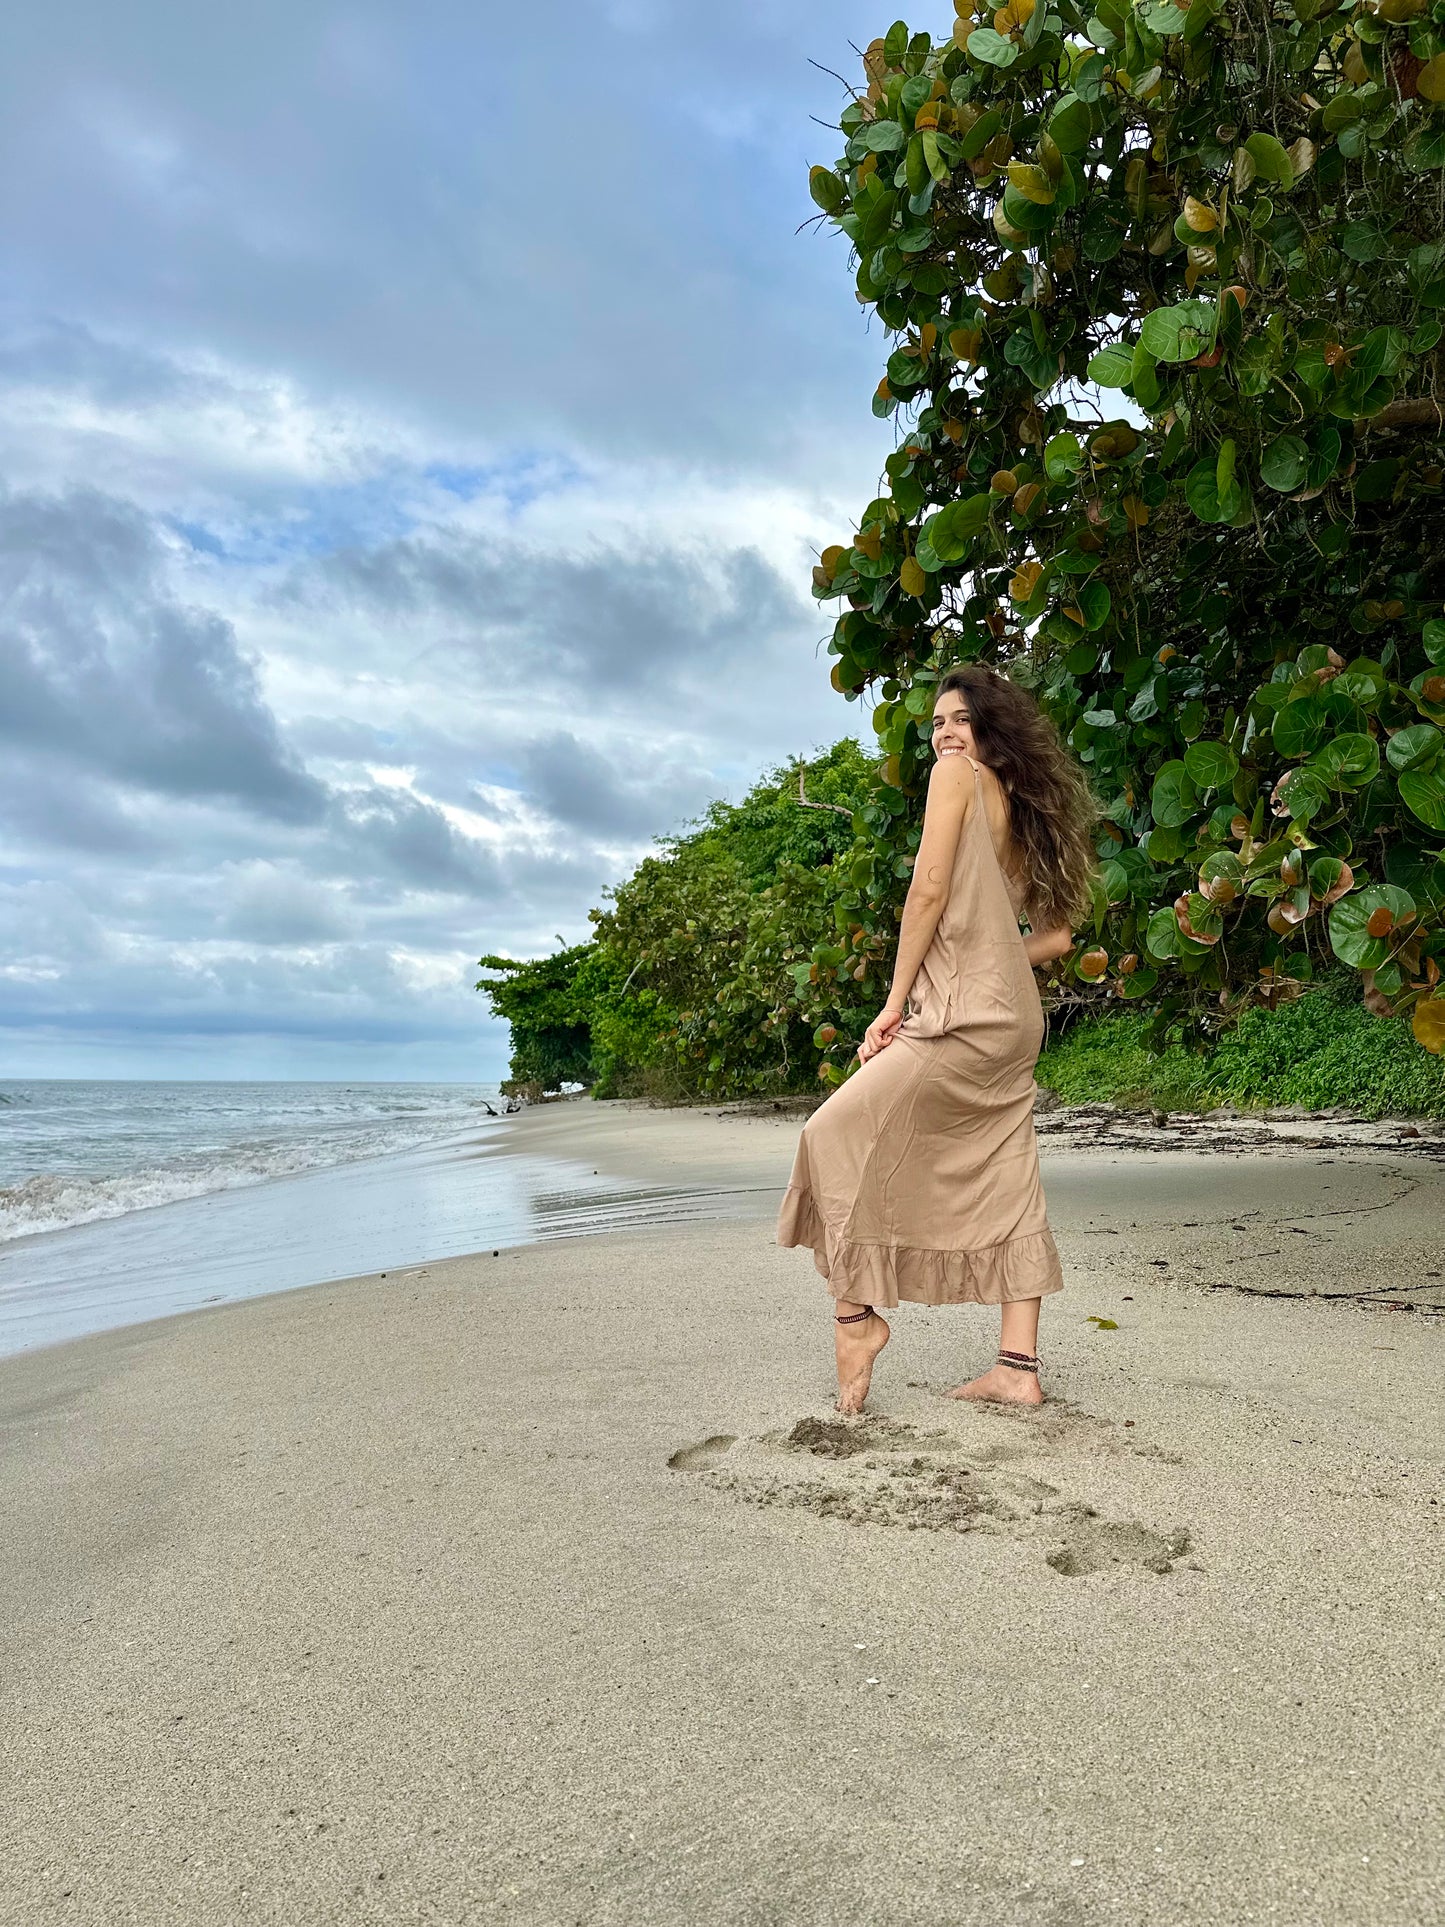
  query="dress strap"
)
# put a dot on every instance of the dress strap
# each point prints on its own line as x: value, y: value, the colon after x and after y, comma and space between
x: 982, y: 813
x: 977, y: 786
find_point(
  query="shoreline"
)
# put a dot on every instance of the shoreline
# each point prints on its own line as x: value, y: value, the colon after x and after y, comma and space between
x: 579, y: 1168
x: 545, y: 1588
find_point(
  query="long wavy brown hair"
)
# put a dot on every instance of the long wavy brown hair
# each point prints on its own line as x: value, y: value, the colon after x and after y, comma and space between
x: 1051, y: 811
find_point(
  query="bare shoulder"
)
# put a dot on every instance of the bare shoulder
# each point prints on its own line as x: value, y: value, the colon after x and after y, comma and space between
x: 951, y: 779
x: 950, y: 792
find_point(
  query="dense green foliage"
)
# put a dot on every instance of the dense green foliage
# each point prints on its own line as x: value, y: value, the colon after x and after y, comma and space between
x: 1165, y: 285
x: 691, y: 988
x: 543, y: 1003
x: 1320, y: 1050
x: 698, y: 981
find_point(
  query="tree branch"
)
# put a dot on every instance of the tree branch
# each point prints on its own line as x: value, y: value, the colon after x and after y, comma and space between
x: 809, y: 805
x: 1420, y: 411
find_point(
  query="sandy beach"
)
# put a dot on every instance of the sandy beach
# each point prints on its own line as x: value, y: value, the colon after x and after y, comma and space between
x: 542, y: 1588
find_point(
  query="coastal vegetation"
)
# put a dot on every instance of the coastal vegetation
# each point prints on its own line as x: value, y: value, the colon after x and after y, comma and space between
x: 1163, y: 285
x: 703, y: 979
x: 693, y: 986
x: 1321, y: 1051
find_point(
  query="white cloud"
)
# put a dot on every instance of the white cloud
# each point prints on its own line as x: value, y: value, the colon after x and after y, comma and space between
x: 390, y: 554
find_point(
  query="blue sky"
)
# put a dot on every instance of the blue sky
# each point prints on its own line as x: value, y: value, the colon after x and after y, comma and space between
x: 415, y: 438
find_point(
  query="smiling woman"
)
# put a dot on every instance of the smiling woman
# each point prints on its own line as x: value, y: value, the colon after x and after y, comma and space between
x: 919, y: 1178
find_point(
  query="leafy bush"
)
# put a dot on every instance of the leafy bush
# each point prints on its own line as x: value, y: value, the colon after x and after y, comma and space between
x: 1165, y: 286
x: 1319, y: 1051
x: 701, y: 981
x: 551, y: 1041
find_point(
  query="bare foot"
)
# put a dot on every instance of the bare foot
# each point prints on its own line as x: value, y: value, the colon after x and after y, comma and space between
x: 856, y: 1347
x: 1003, y: 1385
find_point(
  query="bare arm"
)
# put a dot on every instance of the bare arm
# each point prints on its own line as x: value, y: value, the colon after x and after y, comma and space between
x: 950, y: 795
x: 1044, y: 945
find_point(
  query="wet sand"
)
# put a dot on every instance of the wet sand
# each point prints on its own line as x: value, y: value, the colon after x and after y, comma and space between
x: 542, y: 1588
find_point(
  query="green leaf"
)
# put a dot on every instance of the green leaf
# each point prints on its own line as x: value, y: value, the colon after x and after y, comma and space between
x: 1348, y: 761
x: 1349, y: 937
x: 1201, y: 490
x: 1381, y: 352
x: 1179, y: 333
x: 1376, y: 480
x: 1426, y: 705
x: 1163, y: 939
x: 1425, y: 148
x: 1070, y: 124
x: 1115, y: 879
x: 1423, y: 793
x: 1325, y: 874
x: 1095, y: 602
x: 1426, y: 269
x: 1433, y: 637
x: 951, y: 531
x: 1164, y: 18
x: 1112, y: 367
x: 1163, y: 845
x: 1205, y: 917
x: 1285, y: 463
x: 883, y: 137
x: 972, y: 144
x: 996, y: 48
x: 1210, y: 765
x: 1303, y: 793
x: 1363, y: 683
x: 1418, y: 747
x: 1063, y: 457
x: 910, y: 495
x: 1025, y: 214
x: 1140, y: 982
x: 1222, y: 864
x: 1298, y: 726
x: 1173, y: 799
x: 826, y: 189
x: 1092, y: 78
x: 1363, y: 241
x: 1271, y: 161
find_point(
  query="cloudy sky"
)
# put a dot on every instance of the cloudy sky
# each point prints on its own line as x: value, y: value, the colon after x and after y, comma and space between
x: 417, y: 425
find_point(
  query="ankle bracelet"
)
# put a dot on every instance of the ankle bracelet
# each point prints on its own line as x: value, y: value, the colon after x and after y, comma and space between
x: 1019, y: 1361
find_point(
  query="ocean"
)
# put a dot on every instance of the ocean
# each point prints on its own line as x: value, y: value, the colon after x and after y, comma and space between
x: 75, y: 1152
x: 124, y: 1202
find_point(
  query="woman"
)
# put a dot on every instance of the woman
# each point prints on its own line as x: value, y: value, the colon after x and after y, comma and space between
x: 919, y: 1178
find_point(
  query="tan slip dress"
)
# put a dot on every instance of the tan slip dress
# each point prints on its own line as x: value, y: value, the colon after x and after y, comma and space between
x: 919, y: 1178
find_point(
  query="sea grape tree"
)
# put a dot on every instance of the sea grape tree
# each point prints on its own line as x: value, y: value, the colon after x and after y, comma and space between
x: 1164, y: 285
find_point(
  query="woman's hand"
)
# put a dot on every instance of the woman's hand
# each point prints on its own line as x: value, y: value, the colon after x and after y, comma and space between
x: 880, y: 1033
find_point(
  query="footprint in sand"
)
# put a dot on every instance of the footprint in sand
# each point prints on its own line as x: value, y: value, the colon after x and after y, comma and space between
x: 697, y: 1458
x: 878, y: 1471
x: 1094, y: 1544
